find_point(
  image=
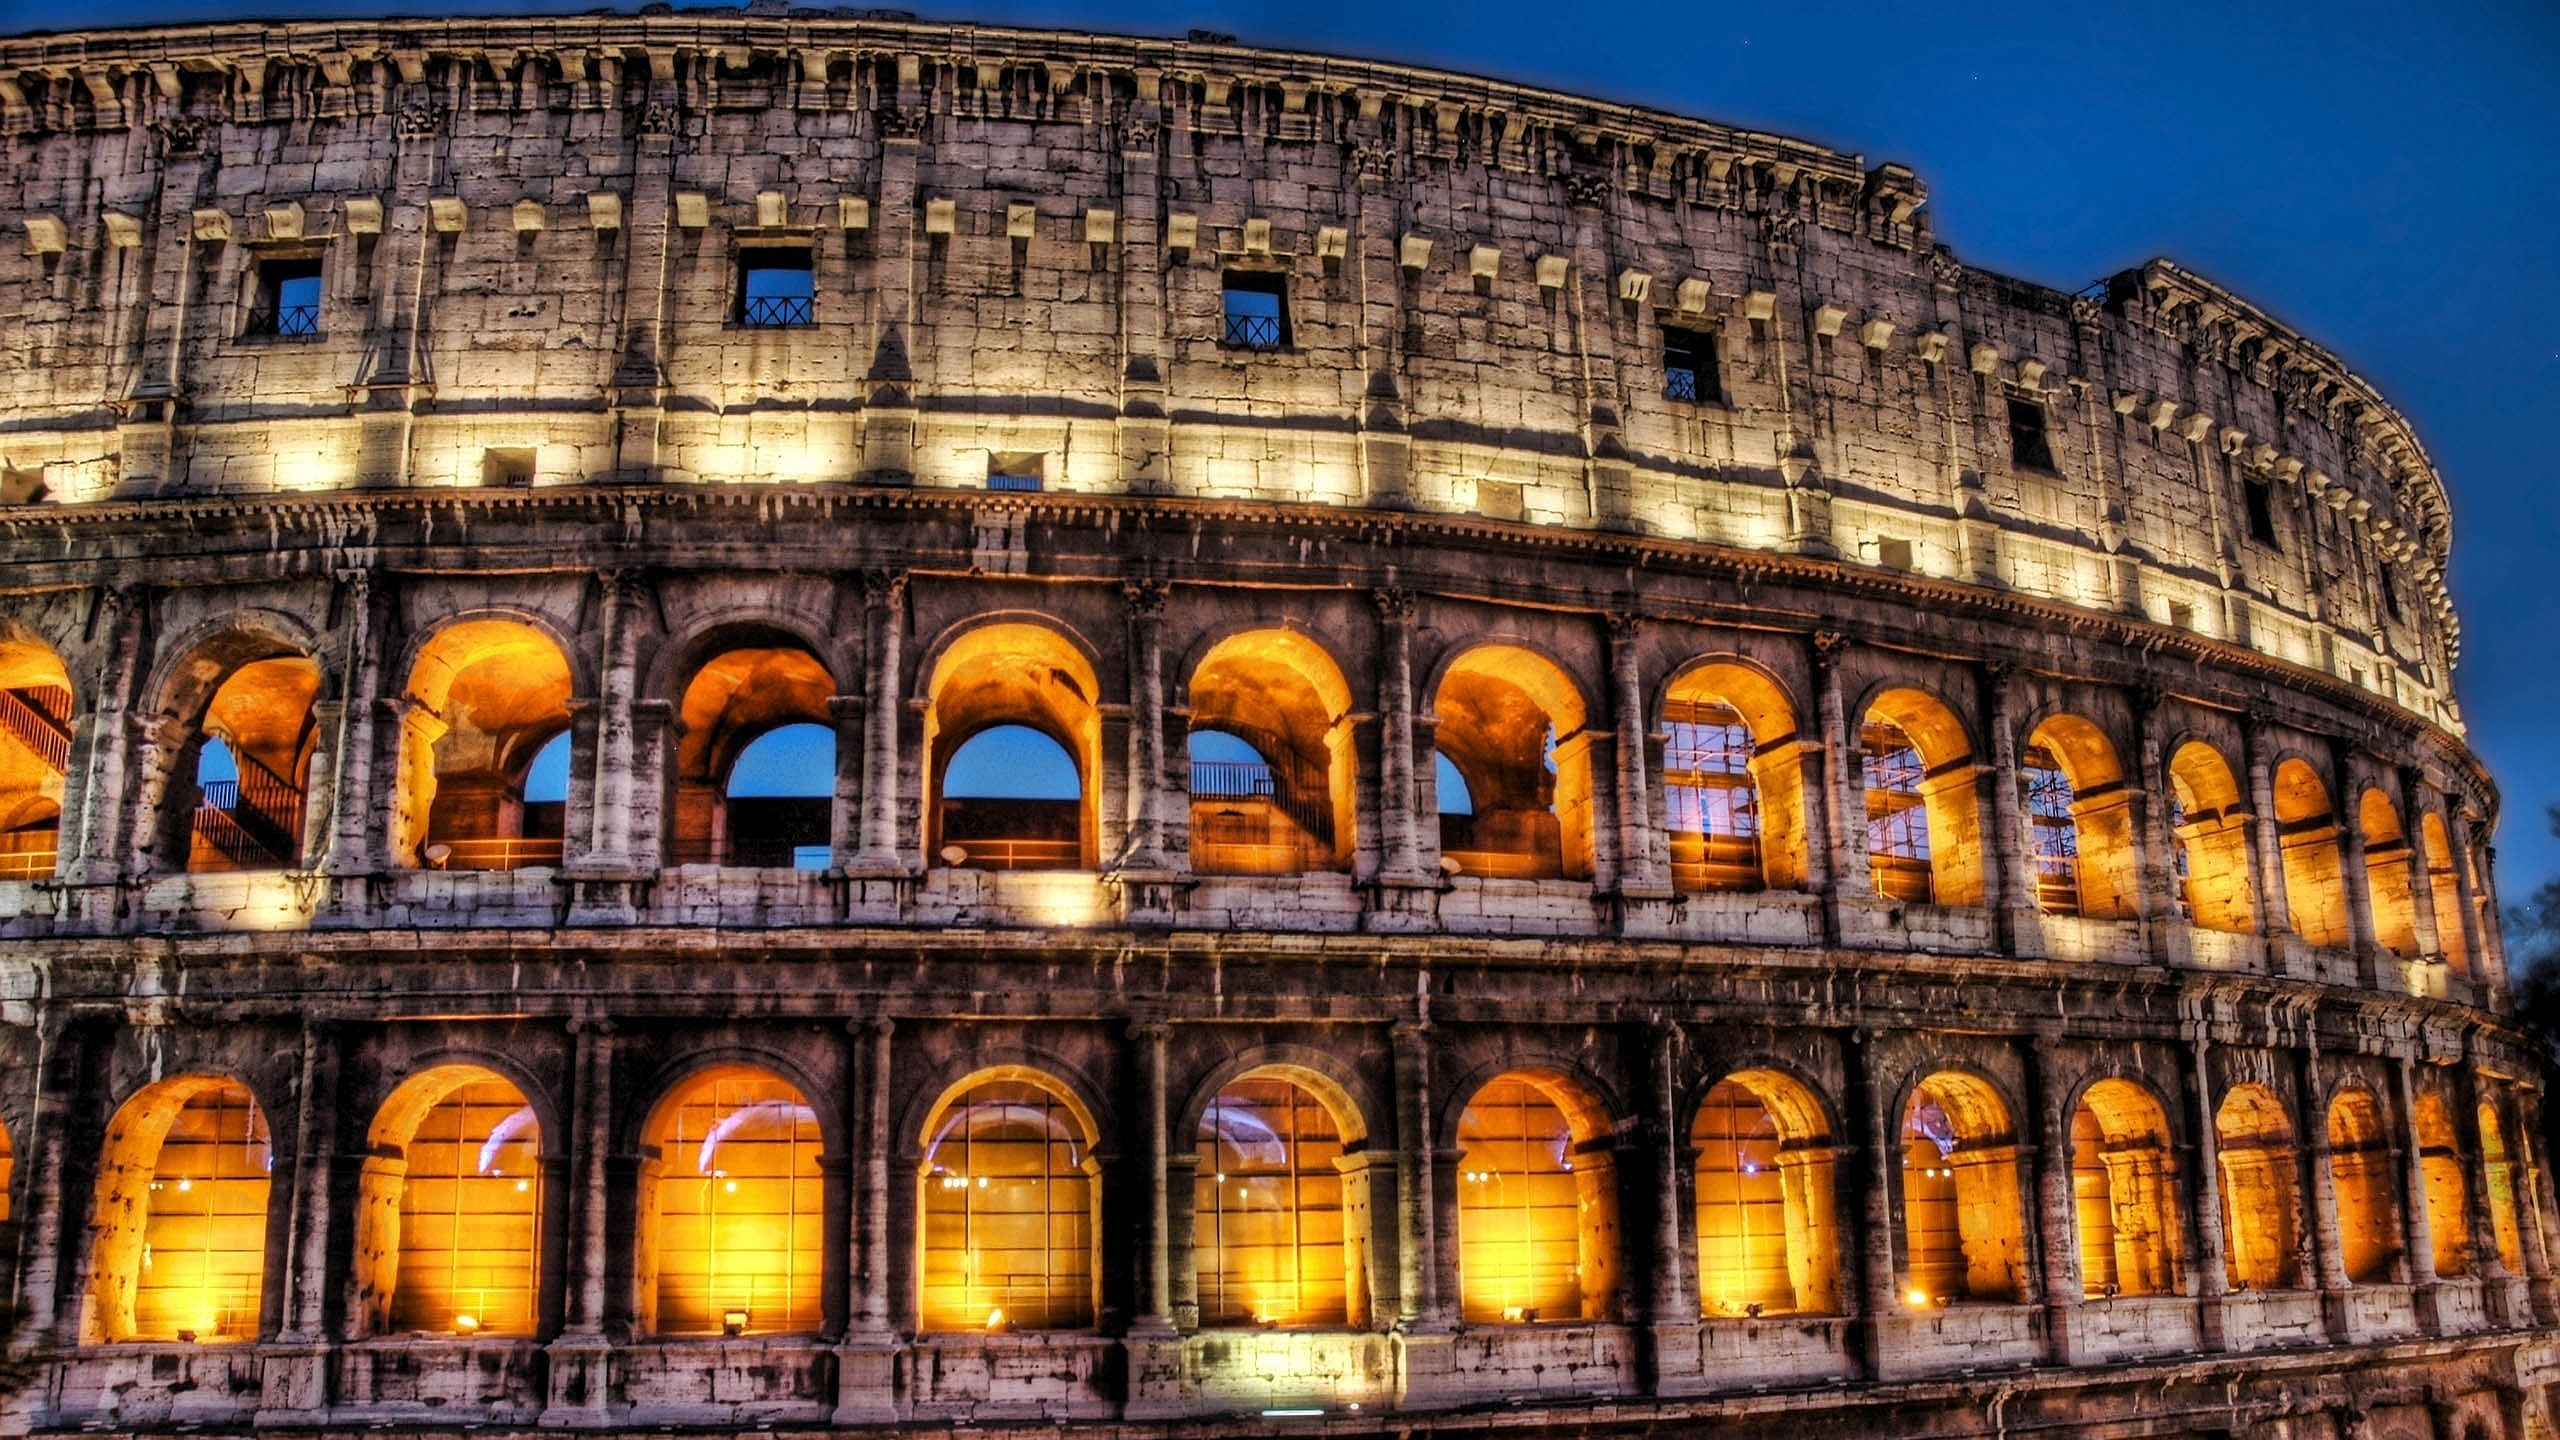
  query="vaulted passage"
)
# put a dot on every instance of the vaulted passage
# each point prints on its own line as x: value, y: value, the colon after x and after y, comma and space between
x: 2261, y: 1212
x: 733, y: 1208
x: 487, y: 697
x: 1009, y: 1200
x: 1279, y: 1233
x: 1961, y: 1222
x: 1511, y: 725
x: 2209, y: 823
x: 2315, y: 886
x: 1768, y: 1237
x: 1014, y: 741
x: 1537, y: 1204
x: 238, y: 758
x: 2360, y: 1178
x: 179, y: 1235
x: 1271, y: 757
x: 449, y: 1209
x: 1924, y: 815
x: 1733, y: 782
x: 2079, y: 822
x: 2124, y: 1191
x: 36, y: 711
x: 756, y: 760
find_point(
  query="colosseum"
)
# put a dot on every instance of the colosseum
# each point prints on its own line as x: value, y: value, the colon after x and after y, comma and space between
x: 791, y: 720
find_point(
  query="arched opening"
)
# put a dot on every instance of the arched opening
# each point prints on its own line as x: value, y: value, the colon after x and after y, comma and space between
x: 2387, y: 880
x: 2124, y: 1191
x: 2448, y: 1186
x: 1009, y: 1207
x: 2261, y: 1214
x: 1964, y: 1239
x: 2210, y: 822
x: 2079, y: 822
x: 1768, y: 1239
x: 1271, y: 758
x: 1279, y: 1238
x: 8, y: 1171
x: 2502, y: 1174
x: 2315, y: 887
x: 2445, y: 893
x: 2360, y: 1180
x: 756, y: 762
x: 35, y: 753
x: 178, y: 1230
x: 1511, y: 724
x: 1732, y: 781
x: 731, y: 1208
x: 449, y: 1209
x: 485, y: 697
x: 1924, y: 820
x: 233, y: 800
x: 1537, y: 1203
x: 1015, y: 741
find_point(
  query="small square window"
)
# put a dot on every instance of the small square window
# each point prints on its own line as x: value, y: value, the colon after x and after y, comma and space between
x: 1016, y: 472
x: 1257, y: 310
x: 2390, y: 596
x: 507, y: 465
x: 1689, y: 366
x: 2028, y: 446
x: 2261, y: 501
x: 288, y: 302
x: 2182, y: 615
x: 777, y: 287
x: 1893, y: 554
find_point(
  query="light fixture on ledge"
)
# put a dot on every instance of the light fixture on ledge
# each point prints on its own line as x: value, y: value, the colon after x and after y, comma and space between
x: 733, y: 1323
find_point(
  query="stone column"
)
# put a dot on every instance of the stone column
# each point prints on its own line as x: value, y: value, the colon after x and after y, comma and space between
x: 866, y: 1361
x: 1145, y: 431
x: 889, y: 409
x: 2526, y: 1179
x: 2417, y: 1227
x: 639, y: 387
x: 2148, y: 791
x: 2212, y: 1267
x: 2275, y: 914
x: 49, y: 1259
x: 884, y: 594
x: 1672, y: 1291
x: 1837, y: 833
x: 1154, y: 1257
x: 578, y: 1357
x: 1399, y: 826
x: 846, y: 715
x: 1147, y: 803
x: 2351, y: 868
x: 1418, y: 1300
x: 608, y: 821
x: 2423, y: 921
x: 2012, y: 887
x: 1642, y: 867
x: 351, y: 848
x: 295, y: 1384
x: 2479, y: 1227
x: 2056, y: 1219
x: 2465, y: 927
x: 97, y: 820
x: 2327, y: 1266
x: 1871, y: 1140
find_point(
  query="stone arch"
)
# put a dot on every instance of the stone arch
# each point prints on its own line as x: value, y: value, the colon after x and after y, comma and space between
x: 1733, y: 777
x: 1769, y: 1239
x: 2124, y: 1189
x: 2261, y: 1204
x: 486, y: 692
x: 2209, y: 822
x: 732, y: 1206
x: 741, y: 627
x: 1282, y: 693
x: 2369, y: 1235
x: 745, y: 680
x: 1321, y: 1073
x: 2080, y: 831
x: 183, y: 1175
x: 1281, y: 1221
x: 2509, y: 1185
x: 250, y: 681
x: 1011, y: 1205
x: 1537, y: 1201
x: 1513, y: 723
x: 1005, y: 671
x: 38, y: 705
x: 1924, y: 811
x: 2315, y: 886
x: 8, y: 1169
x: 2447, y: 1173
x: 2387, y: 880
x: 449, y: 1207
x: 1963, y: 1227
x: 2444, y: 892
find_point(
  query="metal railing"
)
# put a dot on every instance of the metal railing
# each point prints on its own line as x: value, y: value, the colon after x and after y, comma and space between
x: 285, y: 322
x: 23, y: 714
x: 29, y: 854
x: 1018, y: 854
x: 504, y: 853
x: 1679, y: 384
x: 779, y: 311
x: 1231, y: 780
x: 1253, y: 332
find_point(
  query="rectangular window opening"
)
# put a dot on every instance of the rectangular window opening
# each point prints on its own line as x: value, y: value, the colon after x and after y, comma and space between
x: 1257, y: 310
x: 2261, y: 500
x: 777, y: 287
x: 506, y: 466
x: 2028, y: 445
x: 1689, y: 366
x: 1016, y: 472
x: 2182, y: 615
x: 288, y: 301
x: 1893, y: 554
x: 2390, y: 597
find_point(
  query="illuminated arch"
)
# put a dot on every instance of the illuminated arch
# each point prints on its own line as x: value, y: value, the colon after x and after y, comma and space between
x: 2315, y: 887
x: 1963, y: 1230
x: 2369, y: 1237
x: 2079, y: 822
x: 2387, y: 880
x: 178, y: 1226
x: 449, y: 1208
x: 2448, y: 1180
x: 2445, y: 893
x: 2261, y: 1208
x: 1006, y: 673
x: 1537, y: 1202
x: 2509, y: 1187
x: 8, y: 1171
x: 486, y: 694
x: 1512, y: 723
x: 732, y: 1207
x: 236, y: 762
x: 1924, y: 814
x: 1733, y: 780
x: 1768, y: 1231
x: 1282, y: 694
x: 1010, y: 1204
x: 2209, y: 819
x: 1280, y: 1233
x: 36, y: 711
x: 761, y: 686
x: 2124, y: 1190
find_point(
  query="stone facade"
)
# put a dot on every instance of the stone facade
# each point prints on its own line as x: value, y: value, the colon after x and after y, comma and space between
x: 1995, y: 747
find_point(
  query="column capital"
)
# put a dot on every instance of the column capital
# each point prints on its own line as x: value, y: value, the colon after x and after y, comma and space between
x: 1624, y: 626
x: 1829, y: 646
x: 1150, y: 1031
x: 1145, y: 596
x: 1395, y: 604
x: 883, y: 587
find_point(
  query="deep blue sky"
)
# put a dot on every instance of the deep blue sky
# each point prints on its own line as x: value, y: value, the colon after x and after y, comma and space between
x: 2381, y: 176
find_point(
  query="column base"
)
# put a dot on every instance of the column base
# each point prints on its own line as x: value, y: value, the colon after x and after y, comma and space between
x: 1154, y: 1361
x: 293, y: 1385
x: 2213, y: 1329
x: 2426, y: 1306
x: 867, y: 1381
x: 1675, y: 1359
x: 581, y: 1395
x: 1426, y: 1362
x: 601, y: 897
x: 1401, y: 905
x: 1149, y: 897
x: 878, y: 894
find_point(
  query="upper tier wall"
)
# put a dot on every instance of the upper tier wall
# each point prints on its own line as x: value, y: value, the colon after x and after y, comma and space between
x: 529, y: 236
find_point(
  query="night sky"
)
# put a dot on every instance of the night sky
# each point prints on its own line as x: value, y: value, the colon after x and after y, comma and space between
x: 2379, y: 176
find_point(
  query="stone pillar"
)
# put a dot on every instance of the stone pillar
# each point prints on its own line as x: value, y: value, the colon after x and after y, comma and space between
x: 608, y: 820
x: 295, y: 1386
x: 2464, y: 928
x: 1673, y: 1291
x: 1399, y: 826
x: 2417, y: 1227
x: 2275, y: 914
x: 2479, y: 1227
x: 2013, y: 891
x: 2212, y: 1266
x: 846, y: 716
x: 578, y: 1357
x: 2526, y: 1180
x: 2148, y: 791
x: 2423, y: 921
x: 2057, y: 1221
x: 866, y: 1360
x: 884, y: 594
x: 889, y: 408
x: 1871, y: 1140
x: 1419, y: 1304
x: 1154, y: 1349
x: 1838, y: 833
x: 350, y: 847
x: 2326, y: 1266
x: 97, y: 821
x: 1147, y: 803
x: 1642, y: 870
x: 2351, y: 867
x: 49, y: 1258
x: 1145, y: 431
